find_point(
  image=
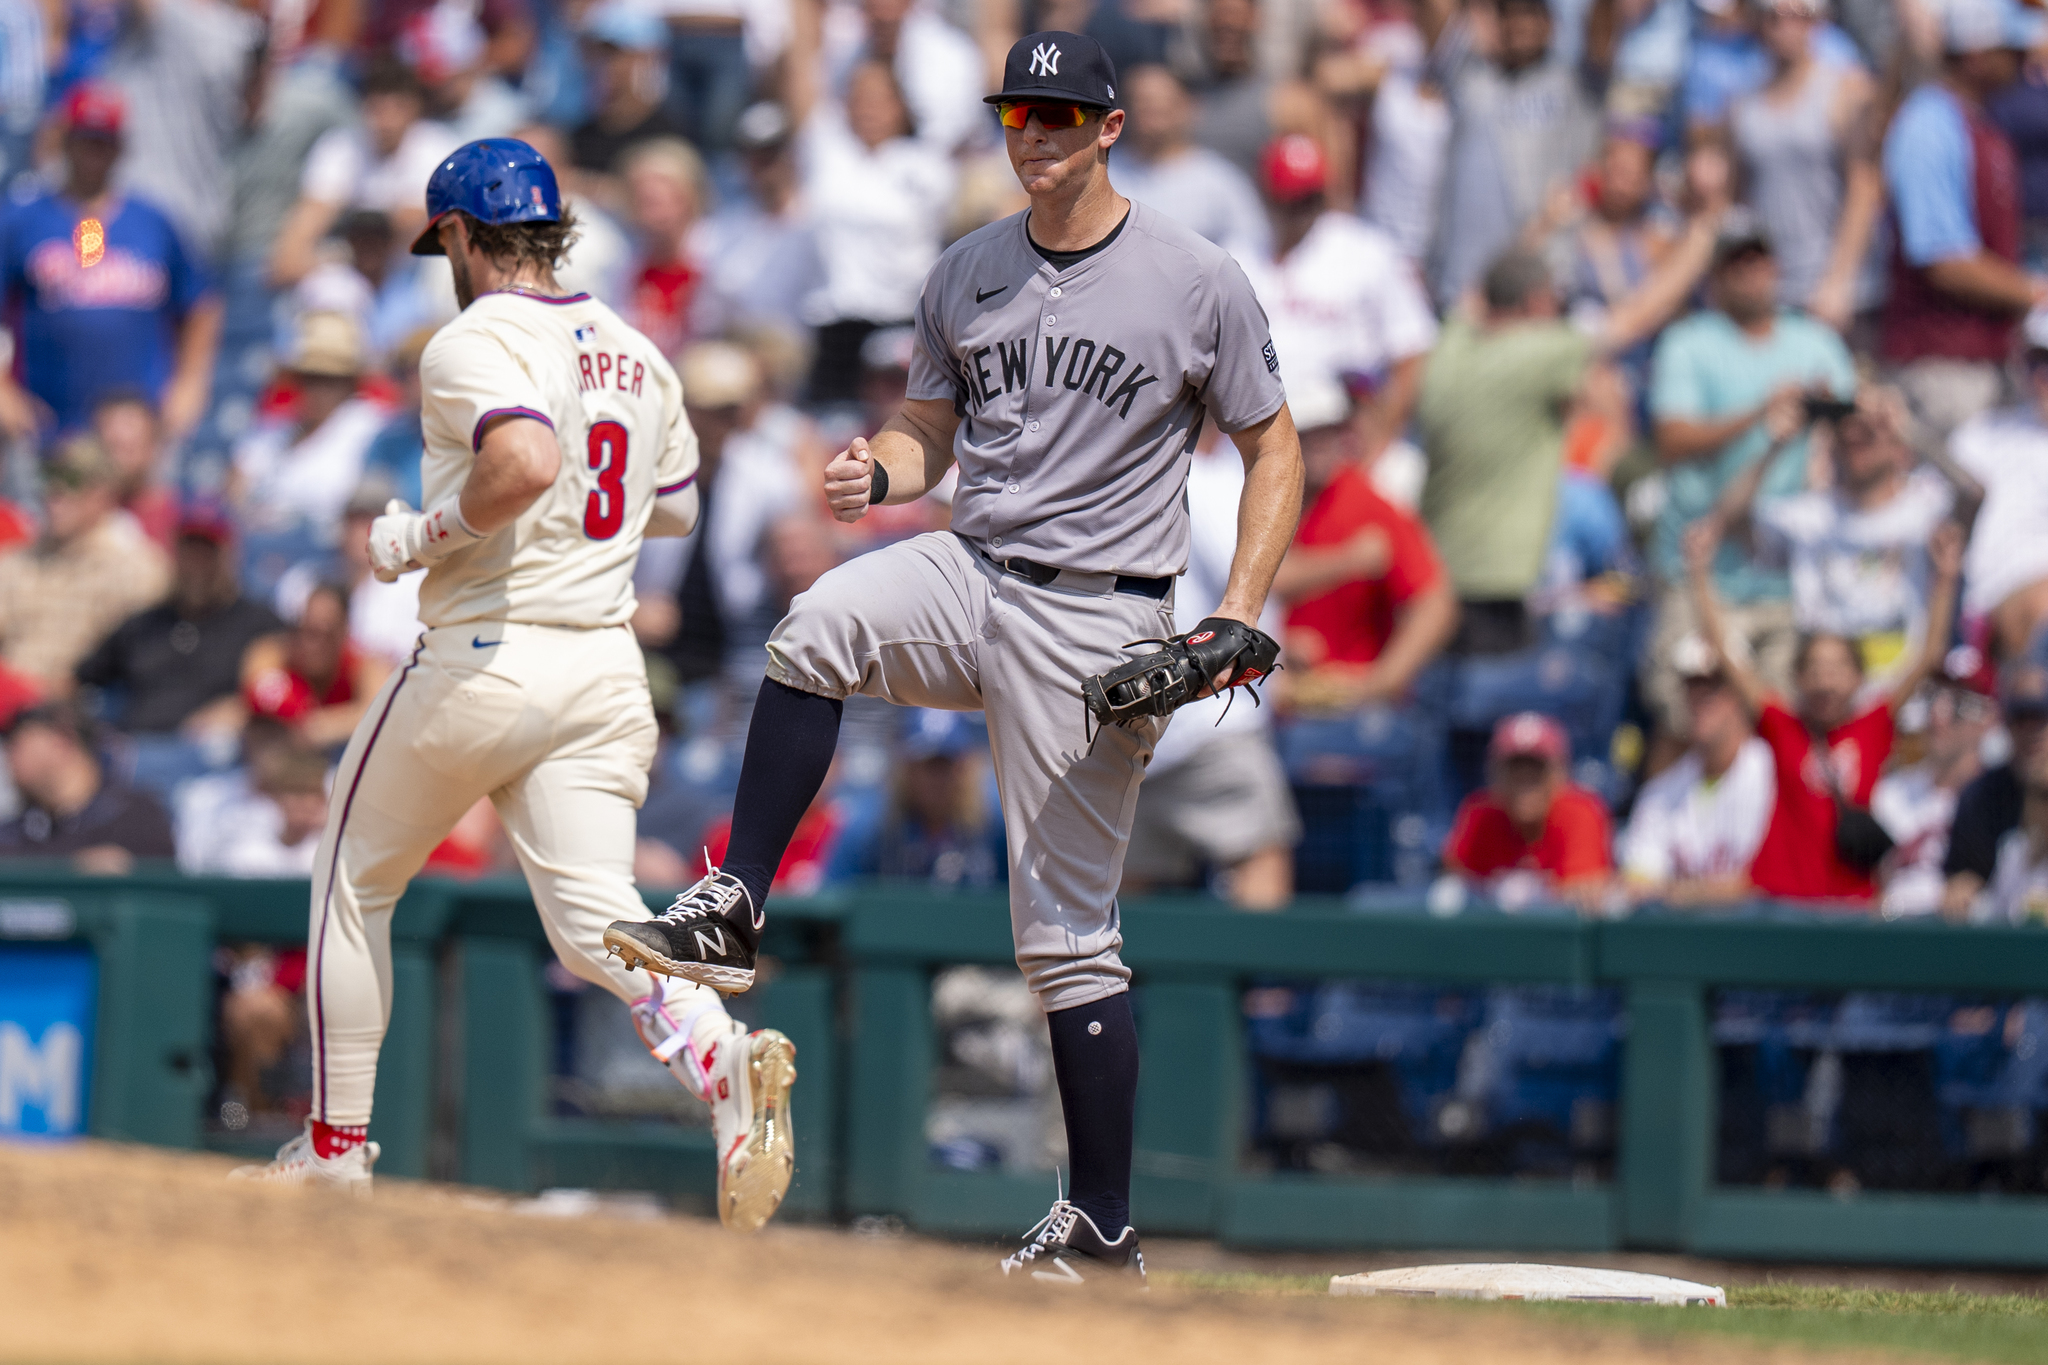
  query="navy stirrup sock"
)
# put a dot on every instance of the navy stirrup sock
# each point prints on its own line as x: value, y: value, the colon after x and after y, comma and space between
x: 790, y: 742
x: 1095, y: 1058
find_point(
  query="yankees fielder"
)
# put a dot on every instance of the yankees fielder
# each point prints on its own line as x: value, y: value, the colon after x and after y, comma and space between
x: 1066, y: 360
x: 555, y: 440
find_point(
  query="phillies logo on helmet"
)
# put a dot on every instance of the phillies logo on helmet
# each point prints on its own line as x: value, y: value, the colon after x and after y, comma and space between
x: 1045, y: 60
x: 1203, y: 638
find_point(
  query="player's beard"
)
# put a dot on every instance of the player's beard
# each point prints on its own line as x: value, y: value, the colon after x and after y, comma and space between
x: 465, y: 291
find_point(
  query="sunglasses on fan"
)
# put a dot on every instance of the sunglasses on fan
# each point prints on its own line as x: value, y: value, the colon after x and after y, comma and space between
x: 1051, y: 117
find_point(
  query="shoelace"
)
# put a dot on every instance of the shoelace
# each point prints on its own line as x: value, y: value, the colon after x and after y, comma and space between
x: 1050, y: 1231
x: 699, y: 902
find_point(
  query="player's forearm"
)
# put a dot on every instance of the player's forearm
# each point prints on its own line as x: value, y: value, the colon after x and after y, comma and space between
x: 517, y: 461
x: 1267, y: 513
x: 674, y: 514
x: 916, y: 450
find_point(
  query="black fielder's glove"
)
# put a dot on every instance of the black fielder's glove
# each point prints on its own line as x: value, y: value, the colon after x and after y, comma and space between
x: 1180, y: 670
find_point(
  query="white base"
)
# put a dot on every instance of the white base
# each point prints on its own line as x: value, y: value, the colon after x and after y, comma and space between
x: 1578, y: 1284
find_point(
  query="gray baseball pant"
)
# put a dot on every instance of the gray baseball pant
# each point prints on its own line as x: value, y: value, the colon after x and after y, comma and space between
x: 930, y: 622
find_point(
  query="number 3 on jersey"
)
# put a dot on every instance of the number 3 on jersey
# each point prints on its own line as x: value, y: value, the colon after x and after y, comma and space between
x: 605, y: 511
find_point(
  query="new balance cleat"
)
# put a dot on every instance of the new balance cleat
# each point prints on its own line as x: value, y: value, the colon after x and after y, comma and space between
x: 297, y: 1163
x: 709, y: 936
x: 1067, y: 1248
x: 748, y: 1078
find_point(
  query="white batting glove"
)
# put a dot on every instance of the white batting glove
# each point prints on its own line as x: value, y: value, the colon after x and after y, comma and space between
x: 403, y: 540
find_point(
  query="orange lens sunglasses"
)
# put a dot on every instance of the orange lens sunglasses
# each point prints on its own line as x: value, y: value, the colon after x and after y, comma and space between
x: 1051, y: 117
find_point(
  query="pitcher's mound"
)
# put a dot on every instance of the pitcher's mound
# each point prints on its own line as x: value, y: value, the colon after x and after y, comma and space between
x: 1579, y: 1284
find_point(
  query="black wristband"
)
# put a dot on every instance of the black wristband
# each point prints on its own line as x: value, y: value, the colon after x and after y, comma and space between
x: 878, y: 487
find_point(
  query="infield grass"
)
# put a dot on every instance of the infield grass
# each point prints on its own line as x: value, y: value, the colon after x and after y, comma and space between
x: 1977, y: 1329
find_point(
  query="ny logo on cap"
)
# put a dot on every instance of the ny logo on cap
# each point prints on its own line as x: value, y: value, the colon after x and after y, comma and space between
x: 1045, y: 60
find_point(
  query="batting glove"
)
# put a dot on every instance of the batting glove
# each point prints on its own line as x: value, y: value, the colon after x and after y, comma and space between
x: 403, y: 540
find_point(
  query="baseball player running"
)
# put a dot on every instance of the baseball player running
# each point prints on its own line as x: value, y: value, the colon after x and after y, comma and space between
x: 555, y: 440
x: 1066, y: 360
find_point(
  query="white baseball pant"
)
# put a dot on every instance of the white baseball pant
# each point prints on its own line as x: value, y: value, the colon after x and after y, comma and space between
x: 555, y: 726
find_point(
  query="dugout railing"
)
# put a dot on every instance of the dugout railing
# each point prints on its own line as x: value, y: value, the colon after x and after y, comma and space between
x: 461, y: 1090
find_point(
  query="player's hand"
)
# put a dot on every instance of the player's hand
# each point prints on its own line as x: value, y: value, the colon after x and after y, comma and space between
x: 390, y: 536
x: 848, y: 479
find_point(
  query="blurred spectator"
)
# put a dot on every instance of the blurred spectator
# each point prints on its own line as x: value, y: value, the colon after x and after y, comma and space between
x: 105, y: 294
x: 712, y: 597
x: 1367, y: 602
x: 2005, y: 577
x: 2018, y: 893
x: 313, y: 678
x: 1162, y: 166
x: 1857, y: 549
x: 1957, y: 286
x: 2021, y: 113
x: 1523, y: 123
x: 1215, y: 798
x: 1376, y: 59
x: 1989, y: 808
x: 181, y: 65
x: 24, y: 74
x: 127, y: 428
x: 263, y: 819
x: 715, y: 48
x: 1917, y: 805
x: 383, y: 618
x: 1726, y: 389
x: 940, y: 828
x: 1616, y: 233
x: 600, y: 259
x: 760, y: 251
x: 1807, y: 146
x: 1725, y: 61
x: 382, y: 161
x: 1243, y: 103
x: 88, y: 572
x: 293, y: 476
x: 261, y: 1014
x: 877, y: 195
x: 1531, y: 836
x: 1491, y: 414
x: 178, y: 666
x: 629, y: 87
x: 1348, y: 313
x: 446, y: 46
x: 72, y: 807
x: 394, y: 455
x: 507, y: 24
x: 1697, y: 824
x: 374, y: 283
x: 665, y: 192
x: 1830, y: 749
x: 937, y: 68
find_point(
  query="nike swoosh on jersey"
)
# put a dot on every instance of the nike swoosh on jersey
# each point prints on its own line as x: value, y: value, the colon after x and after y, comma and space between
x: 980, y: 297
x: 478, y: 642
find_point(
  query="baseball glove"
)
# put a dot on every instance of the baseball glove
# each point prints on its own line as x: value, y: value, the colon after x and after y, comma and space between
x: 1180, y: 670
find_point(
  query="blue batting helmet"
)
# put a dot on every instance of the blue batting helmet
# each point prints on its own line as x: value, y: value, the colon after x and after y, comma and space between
x: 494, y: 180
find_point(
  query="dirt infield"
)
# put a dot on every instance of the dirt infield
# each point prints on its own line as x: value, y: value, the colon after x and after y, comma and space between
x: 112, y: 1254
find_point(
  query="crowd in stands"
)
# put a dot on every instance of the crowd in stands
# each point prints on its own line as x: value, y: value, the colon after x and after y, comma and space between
x: 1672, y: 378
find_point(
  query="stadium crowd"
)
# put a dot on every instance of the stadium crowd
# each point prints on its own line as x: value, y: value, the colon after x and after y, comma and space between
x: 1672, y: 377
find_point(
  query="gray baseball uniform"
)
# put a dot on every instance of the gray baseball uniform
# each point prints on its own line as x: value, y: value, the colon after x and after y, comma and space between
x: 1081, y: 393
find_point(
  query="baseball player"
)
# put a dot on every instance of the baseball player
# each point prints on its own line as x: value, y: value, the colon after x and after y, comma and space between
x: 555, y: 440
x: 1066, y: 360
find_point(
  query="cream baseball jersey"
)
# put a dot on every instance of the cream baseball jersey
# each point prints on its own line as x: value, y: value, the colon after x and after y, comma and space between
x: 616, y: 408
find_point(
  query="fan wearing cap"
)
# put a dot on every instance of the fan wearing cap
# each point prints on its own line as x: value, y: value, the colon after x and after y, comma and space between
x: 1829, y: 744
x: 1349, y: 314
x: 1989, y: 808
x: 630, y: 83
x: 1530, y: 835
x: 109, y: 296
x: 84, y: 575
x: 2016, y: 892
x: 1917, y: 804
x: 1958, y: 288
x: 938, y: 828
x: 1697, y: 825
x: 1162, y: 165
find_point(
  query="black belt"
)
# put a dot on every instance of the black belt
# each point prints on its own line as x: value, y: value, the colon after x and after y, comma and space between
x: 1042, y: 574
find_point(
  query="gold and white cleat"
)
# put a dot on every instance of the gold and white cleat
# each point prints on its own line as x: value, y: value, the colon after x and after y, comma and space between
x: 749, y: 1082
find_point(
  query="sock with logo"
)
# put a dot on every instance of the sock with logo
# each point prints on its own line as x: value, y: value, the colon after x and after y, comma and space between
x: 790, y: 742
x: 331, y: 1140
x: 1095, y: 1059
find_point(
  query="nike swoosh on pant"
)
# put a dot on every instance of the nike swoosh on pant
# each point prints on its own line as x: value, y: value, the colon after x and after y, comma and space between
x: 478, y: 643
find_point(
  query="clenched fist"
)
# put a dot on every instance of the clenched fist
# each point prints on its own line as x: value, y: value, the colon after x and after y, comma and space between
x: 403, y: 540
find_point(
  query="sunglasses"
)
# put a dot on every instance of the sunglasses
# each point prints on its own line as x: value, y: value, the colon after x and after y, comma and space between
x: 1051, y: 117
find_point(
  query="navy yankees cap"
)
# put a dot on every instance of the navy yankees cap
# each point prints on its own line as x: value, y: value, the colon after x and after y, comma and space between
x: 1057, y: 66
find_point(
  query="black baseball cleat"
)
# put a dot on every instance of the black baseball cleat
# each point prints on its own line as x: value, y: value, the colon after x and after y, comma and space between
x: 709, y: 936
x: 1067, y: 1248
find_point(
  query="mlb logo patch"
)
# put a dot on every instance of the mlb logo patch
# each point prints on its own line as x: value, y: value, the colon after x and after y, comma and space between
x: 585, y: 335
x: 535, y: 189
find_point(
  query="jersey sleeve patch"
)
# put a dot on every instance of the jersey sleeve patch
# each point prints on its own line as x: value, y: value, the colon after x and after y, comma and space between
x: 476, y: 437
x: 1272, y: 357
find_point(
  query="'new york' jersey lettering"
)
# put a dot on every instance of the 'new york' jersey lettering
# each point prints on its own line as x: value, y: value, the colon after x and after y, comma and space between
x: 616, y: 408
x: 1081, y: 392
